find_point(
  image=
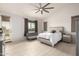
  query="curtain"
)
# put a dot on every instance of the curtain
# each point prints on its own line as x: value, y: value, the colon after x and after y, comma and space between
x: 25, y: 26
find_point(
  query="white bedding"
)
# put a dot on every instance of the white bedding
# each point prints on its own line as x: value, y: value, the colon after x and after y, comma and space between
x: 53, y: 37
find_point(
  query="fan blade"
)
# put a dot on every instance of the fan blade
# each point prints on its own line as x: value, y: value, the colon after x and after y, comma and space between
x: 41, y: 12
x: 46, y: 5
x: 46, y: 11
x: 49, y: 8
x: 37, y: 11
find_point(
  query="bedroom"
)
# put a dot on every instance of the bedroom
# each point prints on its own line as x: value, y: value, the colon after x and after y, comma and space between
x: 59, y: 17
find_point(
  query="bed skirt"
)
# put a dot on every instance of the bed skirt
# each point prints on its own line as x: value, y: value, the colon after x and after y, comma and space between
x: 47, y: 41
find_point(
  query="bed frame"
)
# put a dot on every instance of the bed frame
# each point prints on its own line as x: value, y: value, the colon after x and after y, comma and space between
x: 47, y: 41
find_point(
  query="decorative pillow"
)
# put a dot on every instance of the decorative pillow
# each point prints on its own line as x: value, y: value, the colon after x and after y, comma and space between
x: 53, y: 31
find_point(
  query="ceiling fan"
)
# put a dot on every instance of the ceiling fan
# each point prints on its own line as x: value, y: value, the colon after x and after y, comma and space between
x: 43, y: 8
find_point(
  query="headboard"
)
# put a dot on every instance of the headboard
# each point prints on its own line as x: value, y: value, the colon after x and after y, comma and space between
x: 56, y: 28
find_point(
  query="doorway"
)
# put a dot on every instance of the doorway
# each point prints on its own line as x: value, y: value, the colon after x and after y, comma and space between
x: 6, y: 28
x: 75, y: 28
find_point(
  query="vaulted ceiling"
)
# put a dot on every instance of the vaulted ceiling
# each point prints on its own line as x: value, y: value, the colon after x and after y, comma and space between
x: 28, y: 9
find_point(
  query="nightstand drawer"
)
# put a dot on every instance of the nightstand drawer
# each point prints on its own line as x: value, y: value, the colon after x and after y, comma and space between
x: 67, y: 38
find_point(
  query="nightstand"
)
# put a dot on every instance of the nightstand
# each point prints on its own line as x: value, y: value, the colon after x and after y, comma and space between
x: 67, y: 38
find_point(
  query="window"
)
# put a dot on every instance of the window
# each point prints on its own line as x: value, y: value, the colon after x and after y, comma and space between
x: 31, y: 27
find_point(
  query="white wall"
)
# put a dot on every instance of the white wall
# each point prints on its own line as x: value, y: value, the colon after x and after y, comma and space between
x: 63, y: 17
x: 17, y: 26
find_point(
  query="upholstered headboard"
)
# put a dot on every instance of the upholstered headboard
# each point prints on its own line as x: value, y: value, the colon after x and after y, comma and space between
x: 56, y: 28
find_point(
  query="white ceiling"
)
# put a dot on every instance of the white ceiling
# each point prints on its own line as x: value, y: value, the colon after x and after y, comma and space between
x: 28, y: 9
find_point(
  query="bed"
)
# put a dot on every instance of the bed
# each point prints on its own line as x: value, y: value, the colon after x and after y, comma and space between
x: 52, y: 36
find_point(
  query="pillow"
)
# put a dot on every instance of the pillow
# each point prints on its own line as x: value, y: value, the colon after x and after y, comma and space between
x: 61, y: 31
x: 53, y: 31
